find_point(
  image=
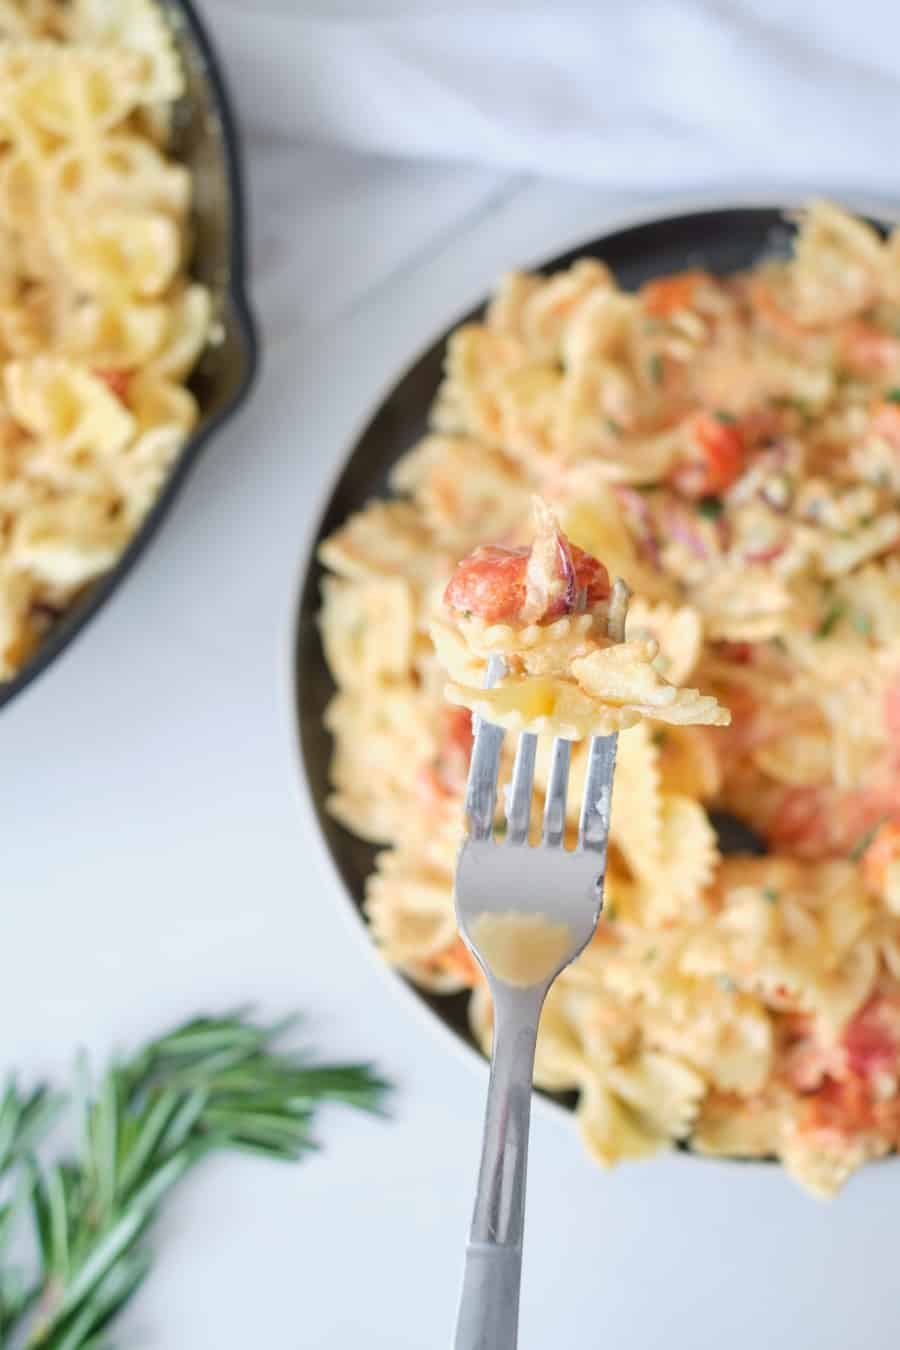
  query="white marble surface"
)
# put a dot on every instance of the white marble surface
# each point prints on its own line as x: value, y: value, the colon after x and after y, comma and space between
x: 157, y: 856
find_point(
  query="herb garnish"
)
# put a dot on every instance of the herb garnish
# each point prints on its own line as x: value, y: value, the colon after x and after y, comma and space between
x: 770, y: 894
x: 726, y: 984
x: 728, y: 419
x: 832, y: 618
x: 862, y: 623
x: 212, y: 1084
x: 865, y: 840
x: 710, y: 508
x: 893, y: 395
x: 655, y: 368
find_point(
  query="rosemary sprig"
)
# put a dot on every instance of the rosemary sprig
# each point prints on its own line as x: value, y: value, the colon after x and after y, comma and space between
x: 212, y: 1083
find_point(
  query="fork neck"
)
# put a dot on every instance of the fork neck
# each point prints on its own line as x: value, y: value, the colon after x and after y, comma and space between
x: 499, y: 1214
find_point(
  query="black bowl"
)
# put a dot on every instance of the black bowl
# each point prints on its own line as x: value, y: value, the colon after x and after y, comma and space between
x: 205, y: 139
x: 721, y: 241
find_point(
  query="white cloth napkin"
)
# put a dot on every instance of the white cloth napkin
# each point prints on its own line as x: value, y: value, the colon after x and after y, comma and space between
x: 628, y: 94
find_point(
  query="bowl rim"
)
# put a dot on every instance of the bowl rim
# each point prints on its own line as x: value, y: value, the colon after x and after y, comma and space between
x: 402, y: 986
x: 240, y: 314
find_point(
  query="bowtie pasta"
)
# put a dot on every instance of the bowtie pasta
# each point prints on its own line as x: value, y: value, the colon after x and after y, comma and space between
x: 730, y: 447
x: 547, y: 611
x: 100, y: 324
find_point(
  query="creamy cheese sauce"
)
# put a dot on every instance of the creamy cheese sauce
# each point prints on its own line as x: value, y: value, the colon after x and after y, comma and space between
x: 521, y: 949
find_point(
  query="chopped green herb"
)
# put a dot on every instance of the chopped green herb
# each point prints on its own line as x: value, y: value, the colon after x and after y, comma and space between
x: 610, y: 912
x: 659, y: 737
x: 653, y: 326
x: 650, y: 954
x: 862, y: 623
x: 726, y: 417
x: 710, y: 508
x: 726, y: 984
x: 467, y: 614
x: 865, y: 840
x: 788, y: 404
x: 614, y: 426
x: 770, y: 894
x: 893, y: 395
x: 866, y: 521
x: 655, y: 368
x: 779, y: 644
x: 831, y: 620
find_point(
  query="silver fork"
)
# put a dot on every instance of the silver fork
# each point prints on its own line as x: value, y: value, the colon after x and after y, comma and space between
x: 565, y: 887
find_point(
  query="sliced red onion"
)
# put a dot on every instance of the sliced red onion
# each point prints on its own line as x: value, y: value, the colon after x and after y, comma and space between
x: 681, y: 526
x: 766, y: 553
x: 567, y: 568
x: 637, y: 502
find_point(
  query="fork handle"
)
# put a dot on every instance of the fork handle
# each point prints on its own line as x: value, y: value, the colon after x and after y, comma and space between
x: 489, y: 1305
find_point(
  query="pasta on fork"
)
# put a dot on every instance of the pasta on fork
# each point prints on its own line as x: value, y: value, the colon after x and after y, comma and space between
x: 545, y: 610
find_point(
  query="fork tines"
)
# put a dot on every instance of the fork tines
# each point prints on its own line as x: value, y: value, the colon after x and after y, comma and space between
x: 481, y: 792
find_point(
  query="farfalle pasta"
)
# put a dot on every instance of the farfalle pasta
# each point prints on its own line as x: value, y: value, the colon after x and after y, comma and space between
x: 547, y: 611
x: 730, y: 447
x: 100, y: 325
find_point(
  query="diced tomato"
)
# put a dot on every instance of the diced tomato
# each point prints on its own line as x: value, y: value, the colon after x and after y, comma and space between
x: 591, y: 577
x: 718, y: 461
x: 883, y: 850
x: 667, y: 295
x: 491, y: 583
x: 868, y: 350
x: 774, y: 316
x: 885, y: 422
x: 444, y: 777
x: 741, y: 653
x: 872, y: 1038
x: 115, y: 379
x: 843, y: 1107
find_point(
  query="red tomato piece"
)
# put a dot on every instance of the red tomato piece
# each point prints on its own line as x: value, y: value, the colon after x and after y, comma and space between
x: 444, y: 777
x: 667, y: 295
x: 491, y: 583
x: 868, y: 350
x: 116, y: 380
x: 872, y: 1038
x: 719, y: 458
x: 774, y: 316
x: 591, y: 577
